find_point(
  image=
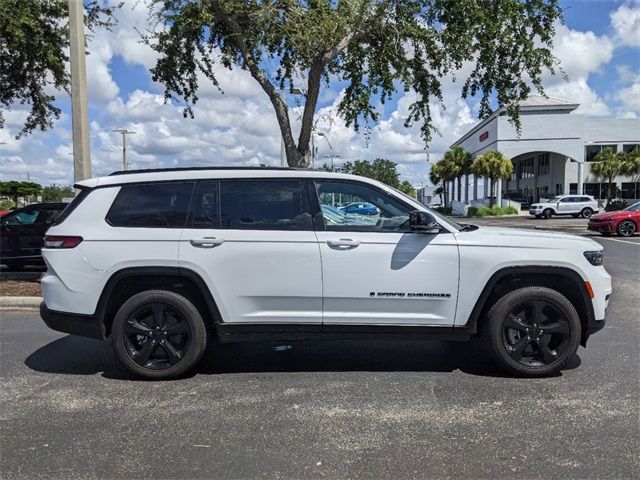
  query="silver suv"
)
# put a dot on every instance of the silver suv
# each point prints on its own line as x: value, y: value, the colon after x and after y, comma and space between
x: 575, y: 205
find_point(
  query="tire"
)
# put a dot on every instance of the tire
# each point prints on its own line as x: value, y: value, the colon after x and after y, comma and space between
x: 548, y: 213
x: 626, y: 228
x: 538, y: 216
x: 142, y: 340
x: 504, y: 331
x: 586, y: 212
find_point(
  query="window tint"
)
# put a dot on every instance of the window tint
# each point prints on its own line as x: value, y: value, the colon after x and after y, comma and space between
x: 358, y: 207
x: 204, y: 212
x: 48, y: 215
x: 151, y: 205
x: 264, y: 205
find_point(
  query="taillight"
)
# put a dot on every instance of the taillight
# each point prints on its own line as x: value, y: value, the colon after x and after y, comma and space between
x: 57, y: 241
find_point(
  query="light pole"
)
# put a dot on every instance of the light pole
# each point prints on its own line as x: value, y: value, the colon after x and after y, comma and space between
x: 314, y: 148
x: 79, y: 96
x: 332, y: 156
x: 124, y: 132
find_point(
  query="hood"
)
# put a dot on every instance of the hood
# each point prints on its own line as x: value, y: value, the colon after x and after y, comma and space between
x: 518, y: 237
x: 607, y: 215
x: 538, y: 204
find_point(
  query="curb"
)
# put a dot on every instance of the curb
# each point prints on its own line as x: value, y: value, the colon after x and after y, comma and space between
x: 561, y: 228
x: 20, y: 303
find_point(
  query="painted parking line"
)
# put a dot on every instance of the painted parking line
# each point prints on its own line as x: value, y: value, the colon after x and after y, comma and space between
x: 621, y: 241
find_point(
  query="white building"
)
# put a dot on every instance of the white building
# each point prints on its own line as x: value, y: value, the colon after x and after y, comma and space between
x: 553, y: 152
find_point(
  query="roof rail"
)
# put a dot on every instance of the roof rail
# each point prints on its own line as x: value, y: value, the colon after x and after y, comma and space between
x: 187, y: 169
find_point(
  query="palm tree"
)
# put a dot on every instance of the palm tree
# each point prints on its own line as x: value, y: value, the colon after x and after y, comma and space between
x: 444, y: 171
x: 631, y: 163
x: 435, y: 176
x: 494, y: 166
x: 461, y: 163
x: 607, y: 166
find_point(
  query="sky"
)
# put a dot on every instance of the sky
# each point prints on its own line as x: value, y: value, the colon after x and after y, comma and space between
x: 598, y: 48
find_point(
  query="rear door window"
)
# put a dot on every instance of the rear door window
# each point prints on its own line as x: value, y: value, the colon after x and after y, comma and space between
x: 264, y: 205
x: 204, y: 212
x: 155, y: 205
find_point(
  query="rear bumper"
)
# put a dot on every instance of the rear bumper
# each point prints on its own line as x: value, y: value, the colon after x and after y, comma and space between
x: 73, y: 323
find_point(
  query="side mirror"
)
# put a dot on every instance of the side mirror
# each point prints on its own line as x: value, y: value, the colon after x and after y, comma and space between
x: 423, y: 222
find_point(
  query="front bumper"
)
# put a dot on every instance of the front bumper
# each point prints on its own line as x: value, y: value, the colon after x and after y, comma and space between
x: 73, y: 323
x: 605, y: 227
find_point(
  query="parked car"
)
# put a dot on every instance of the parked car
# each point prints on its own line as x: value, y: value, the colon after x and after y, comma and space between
x: 3, y: 213
x: 623, y: 222
x: 159, y: 261
x: 574, y: 205
x: 361, y: 208
x: 22, y: 231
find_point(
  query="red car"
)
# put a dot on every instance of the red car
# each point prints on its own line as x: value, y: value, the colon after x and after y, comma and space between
x: 623, y: 222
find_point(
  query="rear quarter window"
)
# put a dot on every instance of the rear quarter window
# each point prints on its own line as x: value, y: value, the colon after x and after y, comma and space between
x: 151, y: 205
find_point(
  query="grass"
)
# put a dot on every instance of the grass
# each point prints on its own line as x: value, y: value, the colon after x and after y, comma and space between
x: 494, y: 211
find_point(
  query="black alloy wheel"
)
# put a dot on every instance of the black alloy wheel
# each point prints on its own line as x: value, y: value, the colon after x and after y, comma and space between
x: 535, y: 333
x: 532, y: 331
x: 157, y: 336
x: 626, y: 228
x: 586, y: 212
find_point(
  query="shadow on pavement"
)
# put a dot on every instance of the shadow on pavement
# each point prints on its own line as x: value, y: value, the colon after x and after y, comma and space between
x: 74, y: 355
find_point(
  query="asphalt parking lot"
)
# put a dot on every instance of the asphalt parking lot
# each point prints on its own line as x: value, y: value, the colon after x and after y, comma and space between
x: 326, y: 410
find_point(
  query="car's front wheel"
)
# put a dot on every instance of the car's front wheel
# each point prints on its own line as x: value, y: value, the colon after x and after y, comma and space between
x: 548, y: 213
x: 532, y: 331
x: 586, y: 212
x: 158, y: 334
x: 626, y: 228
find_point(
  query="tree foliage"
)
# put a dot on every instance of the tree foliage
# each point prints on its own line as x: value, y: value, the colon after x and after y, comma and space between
x: 459, y: 164
x: 380, y: 169
x: 56, y: 193
x: 607, y: 166
x: 376, y: 47
x: 494, y: 166
x: 15, y: 189
x: 406, y: 187
x: 443, y: 172
x: 34, y: 39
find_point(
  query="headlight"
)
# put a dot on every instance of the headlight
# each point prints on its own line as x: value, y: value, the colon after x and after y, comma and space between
x: 595, y: 258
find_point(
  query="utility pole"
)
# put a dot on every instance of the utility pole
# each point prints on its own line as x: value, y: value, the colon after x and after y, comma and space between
x: 79, y: 97
x: 124, y: 132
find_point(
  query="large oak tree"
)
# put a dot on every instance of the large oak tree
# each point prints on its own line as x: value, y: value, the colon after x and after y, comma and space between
x: 34, y: 37
x: 376, y: 47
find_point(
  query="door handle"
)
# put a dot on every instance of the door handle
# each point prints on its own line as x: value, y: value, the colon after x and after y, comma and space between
x: 206, y: 242
x: 343, y: 242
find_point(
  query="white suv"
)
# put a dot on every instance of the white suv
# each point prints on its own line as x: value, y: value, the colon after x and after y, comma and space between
x: 574, y: 205
x: 161, y: 261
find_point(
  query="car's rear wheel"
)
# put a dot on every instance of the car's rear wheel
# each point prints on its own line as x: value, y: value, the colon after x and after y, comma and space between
x: 548, y: 213
x: 626, y: 228
x: 158, y: 334
x: 586, y: 212
x: 532, y: 331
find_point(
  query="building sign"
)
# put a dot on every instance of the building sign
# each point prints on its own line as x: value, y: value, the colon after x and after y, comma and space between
x: 484, y: 136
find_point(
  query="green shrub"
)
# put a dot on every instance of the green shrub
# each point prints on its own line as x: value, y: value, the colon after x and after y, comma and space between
x: 490, y: 211
x: 444, y: 210
x: 6, y: 204
x: 510, y: 210
x: 614, y: 205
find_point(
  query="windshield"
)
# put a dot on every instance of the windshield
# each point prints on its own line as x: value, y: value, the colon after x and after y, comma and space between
x: 633, y: 208
x: 554, y: 199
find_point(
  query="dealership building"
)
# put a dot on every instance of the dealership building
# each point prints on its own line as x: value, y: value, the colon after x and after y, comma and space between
x: 553, y: 152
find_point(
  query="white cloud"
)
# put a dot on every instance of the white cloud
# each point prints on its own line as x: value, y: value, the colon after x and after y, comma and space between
x: 626, y: 23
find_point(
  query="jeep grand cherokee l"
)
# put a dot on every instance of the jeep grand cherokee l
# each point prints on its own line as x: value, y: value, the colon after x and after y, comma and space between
x: 160, y: 261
